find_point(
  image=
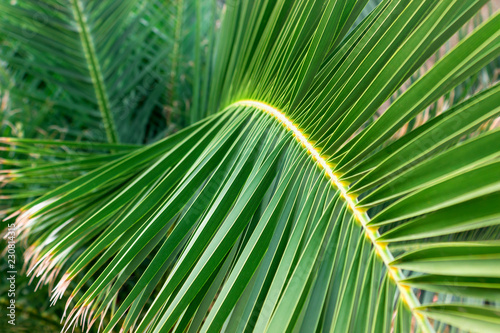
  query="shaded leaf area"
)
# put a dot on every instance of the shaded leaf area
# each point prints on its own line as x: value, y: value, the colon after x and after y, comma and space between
x: 98, y: 71
x: 237, y: 224
x: 32, y: 312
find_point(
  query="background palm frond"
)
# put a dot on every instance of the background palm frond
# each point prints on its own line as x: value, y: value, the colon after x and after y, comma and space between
x: 110, y: 62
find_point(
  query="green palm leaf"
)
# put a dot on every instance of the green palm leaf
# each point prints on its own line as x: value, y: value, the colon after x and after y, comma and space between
x: 293, y: 206
x: 110, y: 60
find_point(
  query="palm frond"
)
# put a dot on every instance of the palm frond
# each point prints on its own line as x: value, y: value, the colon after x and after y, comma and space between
x: 290, y: 208
x: 108, y: 60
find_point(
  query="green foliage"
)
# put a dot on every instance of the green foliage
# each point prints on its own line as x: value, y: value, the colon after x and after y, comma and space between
x: 290, y: 203
x: 101, y: 69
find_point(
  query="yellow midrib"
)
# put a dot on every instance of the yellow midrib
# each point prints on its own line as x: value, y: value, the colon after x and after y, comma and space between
x: 372, y: 233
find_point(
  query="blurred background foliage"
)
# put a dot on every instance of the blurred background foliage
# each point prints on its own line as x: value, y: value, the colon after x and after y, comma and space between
x: 146, y: 56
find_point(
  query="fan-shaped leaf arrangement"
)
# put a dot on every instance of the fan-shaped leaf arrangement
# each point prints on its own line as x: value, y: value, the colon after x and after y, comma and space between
x: 290, y: 207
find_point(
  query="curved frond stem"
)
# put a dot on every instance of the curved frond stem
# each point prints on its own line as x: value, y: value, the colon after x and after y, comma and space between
x: 95, y: 71
x: 362, y: 217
